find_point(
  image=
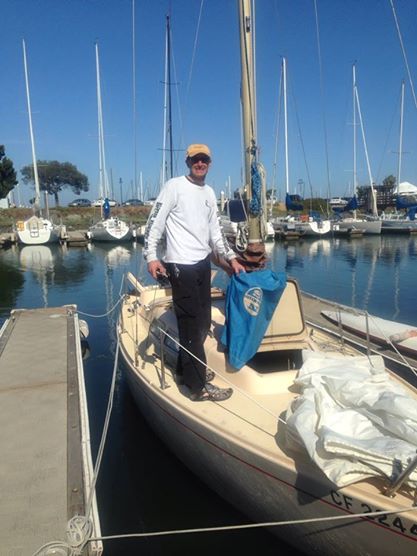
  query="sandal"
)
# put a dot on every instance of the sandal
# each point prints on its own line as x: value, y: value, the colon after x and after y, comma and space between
x: 210, y: 375
x: 212, y: 393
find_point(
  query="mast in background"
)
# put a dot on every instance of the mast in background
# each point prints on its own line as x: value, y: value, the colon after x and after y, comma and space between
x: 400, y: 148
x: 103, y: 179
x: 167, y: 171
x: 36, y: 204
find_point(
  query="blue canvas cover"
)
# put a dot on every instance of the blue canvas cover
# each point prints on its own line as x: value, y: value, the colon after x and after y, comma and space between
x: 251, y: 299
x: 350, y: 206
x: 293, y: 202
x: 106, y: 208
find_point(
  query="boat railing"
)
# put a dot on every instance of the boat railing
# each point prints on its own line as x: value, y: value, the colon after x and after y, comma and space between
x: 164, y: 384
x: 390, y: 340
x: 402, y: 477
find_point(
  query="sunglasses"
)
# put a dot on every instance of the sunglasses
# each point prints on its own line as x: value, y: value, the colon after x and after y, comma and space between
x: 200, y: 158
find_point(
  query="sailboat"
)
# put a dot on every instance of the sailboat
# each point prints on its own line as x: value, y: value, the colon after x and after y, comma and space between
x: 109, y: 228
x: 292, y: 226
x: 347, y: 224
x: 406, y: 193
x: 36, y: 230
x: 252, y: 448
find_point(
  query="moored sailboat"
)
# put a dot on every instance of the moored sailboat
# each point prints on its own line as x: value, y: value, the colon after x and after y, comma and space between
x: 345, y: 224
x: 291, y: 226
x: 247, y: 447
x: 36, y: 230
x: 109, y: 228
x: 406, y: 194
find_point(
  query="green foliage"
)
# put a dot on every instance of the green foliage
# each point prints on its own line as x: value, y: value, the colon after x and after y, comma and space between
x: 7, y: 174
x: 317, y: 204
x: 54, y: 176
x: 389, y: 181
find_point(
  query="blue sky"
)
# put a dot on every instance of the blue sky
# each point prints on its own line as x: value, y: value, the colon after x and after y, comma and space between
x: 60, y: 36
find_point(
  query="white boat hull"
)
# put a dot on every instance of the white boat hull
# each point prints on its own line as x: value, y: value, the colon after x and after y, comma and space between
x: 403, y: 336
x: 367, y: 226
x: 111, y: 229
x: 314, y: 228
x: 266, y: 492
x: 398, y: 226
x: 37, y: 231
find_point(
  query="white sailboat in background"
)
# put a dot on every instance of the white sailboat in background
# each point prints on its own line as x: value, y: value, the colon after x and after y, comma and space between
x: 36, y: 230
x: 292, y: 226
x: 109, y: 228
x: 348, y: 224
x: 405, y: 192
x: 247, y: 447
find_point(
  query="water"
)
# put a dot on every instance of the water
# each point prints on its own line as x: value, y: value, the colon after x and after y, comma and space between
x: 142, y: 486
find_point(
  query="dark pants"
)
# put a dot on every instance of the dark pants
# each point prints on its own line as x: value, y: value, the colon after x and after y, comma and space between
x: 191, y: 292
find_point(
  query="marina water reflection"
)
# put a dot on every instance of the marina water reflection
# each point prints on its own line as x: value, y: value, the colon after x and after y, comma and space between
x: 142, y: 487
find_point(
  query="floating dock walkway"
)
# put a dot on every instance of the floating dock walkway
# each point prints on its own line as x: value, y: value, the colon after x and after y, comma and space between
x: 45, y: 467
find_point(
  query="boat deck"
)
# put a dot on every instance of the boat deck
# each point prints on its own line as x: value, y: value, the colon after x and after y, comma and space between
x: 45, y: 473
x: 313, y: 306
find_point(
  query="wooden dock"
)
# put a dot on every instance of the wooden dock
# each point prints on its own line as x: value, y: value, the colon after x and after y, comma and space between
x: 76, y: 238
x: 7, y: 239
x: 45, y: 467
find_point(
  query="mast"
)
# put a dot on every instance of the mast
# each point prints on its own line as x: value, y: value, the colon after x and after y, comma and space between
x: 171, y: 157
x: 247, y: 90
x: 355, y: 175
x: 103, y: 180
x: 355, y: 171
x: 400, y: 148
x: 284, y: 79
x: 135, y: 158
x: 167, y: 110
x: 36, y: 204
x: 249, y: 138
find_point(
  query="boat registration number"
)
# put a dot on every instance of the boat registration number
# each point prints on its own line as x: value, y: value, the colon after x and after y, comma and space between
x: 391, y: 521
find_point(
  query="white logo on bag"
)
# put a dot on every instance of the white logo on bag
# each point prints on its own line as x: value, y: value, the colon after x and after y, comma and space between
x: 252, y: 301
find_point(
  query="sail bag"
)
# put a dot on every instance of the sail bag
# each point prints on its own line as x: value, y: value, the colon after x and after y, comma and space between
x: 251, y: 299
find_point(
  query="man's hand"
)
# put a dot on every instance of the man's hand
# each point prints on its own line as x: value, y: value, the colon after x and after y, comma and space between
x: 236, y: 266
x: 155, y: 268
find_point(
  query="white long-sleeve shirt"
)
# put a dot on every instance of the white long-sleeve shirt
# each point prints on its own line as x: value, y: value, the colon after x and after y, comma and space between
x: 188, y: 214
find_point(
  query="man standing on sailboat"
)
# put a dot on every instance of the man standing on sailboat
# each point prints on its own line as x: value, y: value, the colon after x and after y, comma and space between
x: 186, y: 211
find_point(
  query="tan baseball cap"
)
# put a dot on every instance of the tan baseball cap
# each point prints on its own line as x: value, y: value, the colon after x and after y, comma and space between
x: 197, y: 149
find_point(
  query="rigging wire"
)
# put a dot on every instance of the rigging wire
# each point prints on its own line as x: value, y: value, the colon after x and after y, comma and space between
x: 378, y: 175
x: 371, y: 180
x: 190, y: 74
x: 176, y: 83
x: 326, y: 146
x: 277, y: 129
x: 364, y: 515
x: 404, y: 52
x: 300, y: 135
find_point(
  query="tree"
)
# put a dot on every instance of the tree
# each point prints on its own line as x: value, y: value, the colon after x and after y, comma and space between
x: 389, y: 181
x: 7, y: 174
x: 54, y: 176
